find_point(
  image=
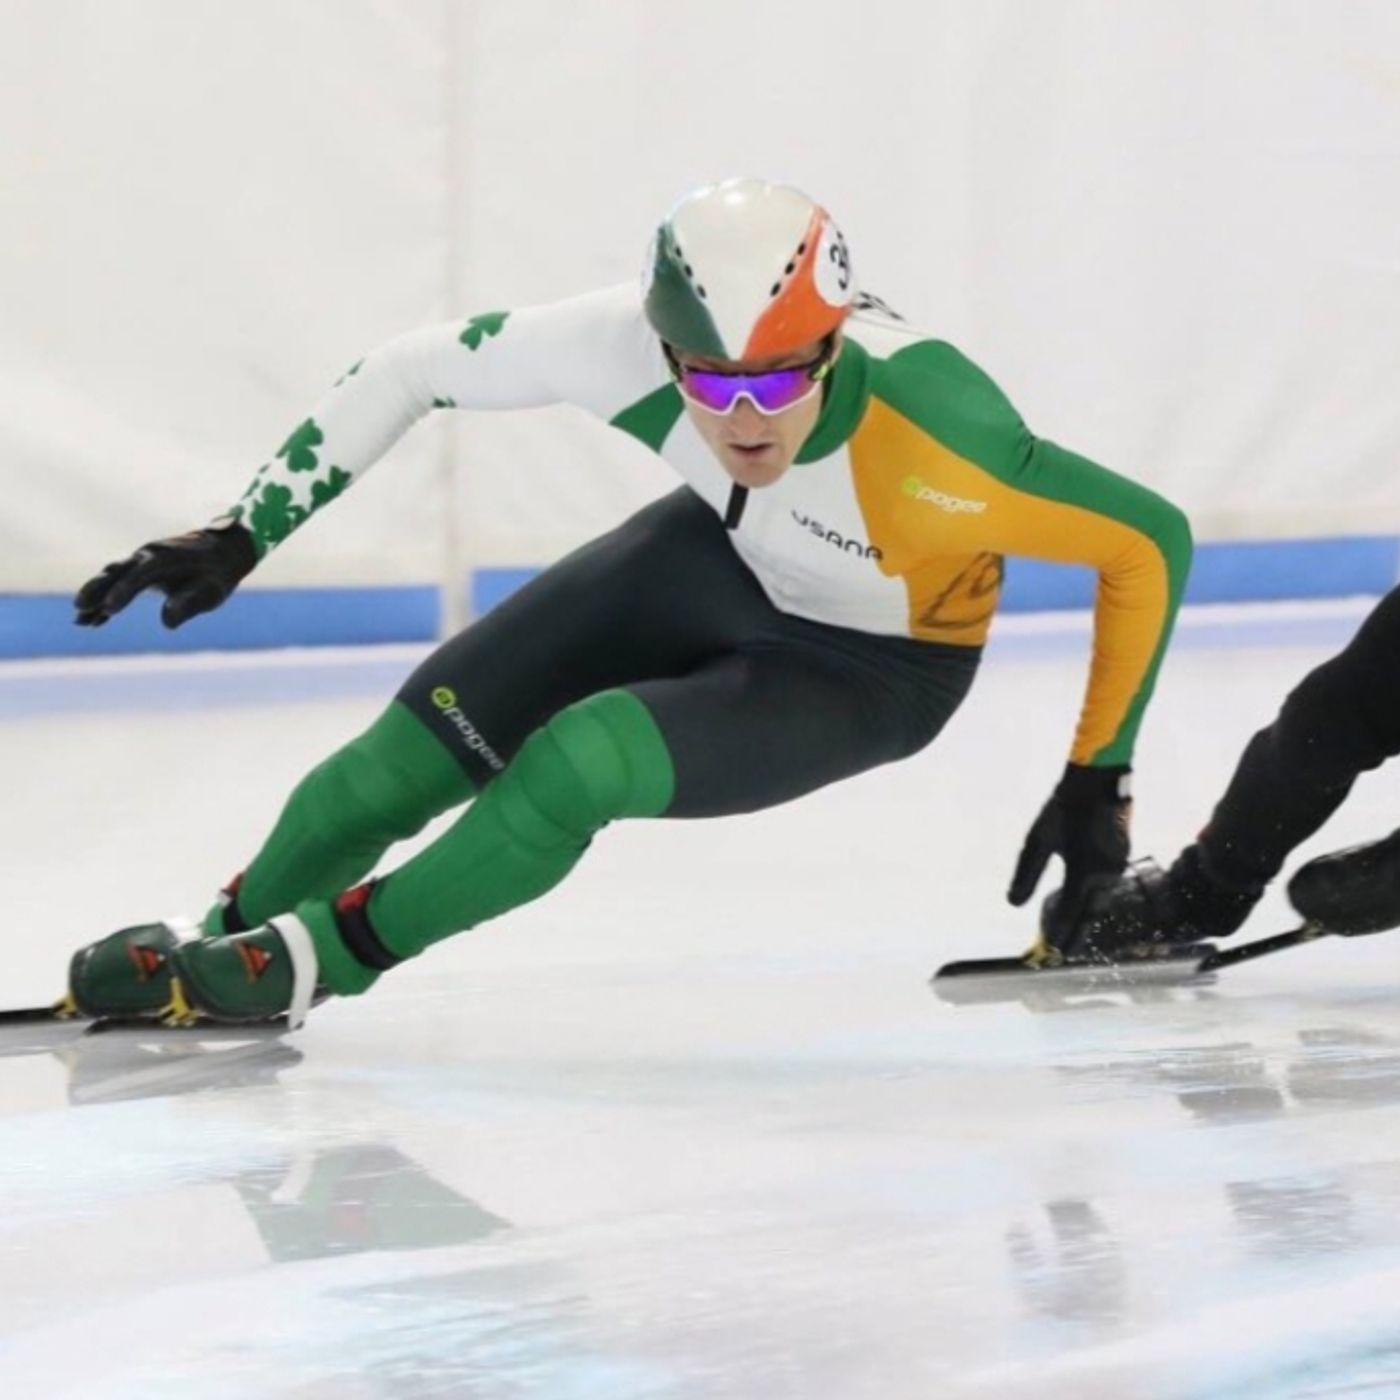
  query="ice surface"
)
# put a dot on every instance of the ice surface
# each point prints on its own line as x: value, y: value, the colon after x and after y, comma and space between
x: 693, y: 1125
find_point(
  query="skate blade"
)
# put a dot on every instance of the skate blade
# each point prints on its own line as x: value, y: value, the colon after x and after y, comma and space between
x: 30, y: 1030
x: 65, y: 1009
x: 979, y: 981
x: 181, y: 1014
x: 25, y: 1026
x: 201, y: 1029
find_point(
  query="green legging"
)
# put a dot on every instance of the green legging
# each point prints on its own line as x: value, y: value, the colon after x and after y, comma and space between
x: 595, y: 761
x: 382, y: 787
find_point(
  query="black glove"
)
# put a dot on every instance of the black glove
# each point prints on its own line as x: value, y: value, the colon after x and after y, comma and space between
x: 196, y: 572
x: 1086, y: 823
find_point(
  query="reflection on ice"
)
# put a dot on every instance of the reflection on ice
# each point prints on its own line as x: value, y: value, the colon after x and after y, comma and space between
x: 1071, y: 1267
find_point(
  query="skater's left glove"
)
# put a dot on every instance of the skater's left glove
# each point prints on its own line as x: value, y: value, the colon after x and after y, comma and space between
x: 196, y: 571
x: 1085, y: 823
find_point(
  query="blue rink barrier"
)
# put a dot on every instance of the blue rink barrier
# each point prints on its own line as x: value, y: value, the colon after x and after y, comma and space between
x: 41, y: 624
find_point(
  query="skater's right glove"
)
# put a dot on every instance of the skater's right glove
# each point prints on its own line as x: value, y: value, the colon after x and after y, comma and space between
x: 196, y: 572
x: 1085, y: 822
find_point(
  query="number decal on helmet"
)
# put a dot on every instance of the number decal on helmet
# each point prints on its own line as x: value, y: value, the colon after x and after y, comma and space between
x: 832, y: 272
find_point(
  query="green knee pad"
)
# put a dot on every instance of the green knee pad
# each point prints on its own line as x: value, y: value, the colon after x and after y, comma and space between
x: 382, y: 787
x: 599, y: 760
x: 387, y: 784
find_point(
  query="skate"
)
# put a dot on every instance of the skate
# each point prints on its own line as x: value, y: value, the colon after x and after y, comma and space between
x: 268, y: 974
x: 1353, y: 891
x: 1146, y: 910
x: 126, y: 975
x: 1135, y: 934
x: 168, y: 974
x: 1151, y: 927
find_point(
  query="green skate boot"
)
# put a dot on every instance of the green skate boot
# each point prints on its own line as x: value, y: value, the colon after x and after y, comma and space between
x: 126, y: 974
x: 261, y: 975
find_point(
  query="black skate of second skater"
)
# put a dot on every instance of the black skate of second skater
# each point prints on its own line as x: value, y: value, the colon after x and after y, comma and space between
x: 1153, y: 927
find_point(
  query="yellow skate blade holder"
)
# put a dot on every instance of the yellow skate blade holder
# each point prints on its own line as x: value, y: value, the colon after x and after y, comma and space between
x: 65, y: 1008
x: 178, y: 1012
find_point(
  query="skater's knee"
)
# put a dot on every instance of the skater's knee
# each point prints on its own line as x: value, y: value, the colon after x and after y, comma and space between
x: 394, y: 778
x: 594, y: 762
x: 365, y: 790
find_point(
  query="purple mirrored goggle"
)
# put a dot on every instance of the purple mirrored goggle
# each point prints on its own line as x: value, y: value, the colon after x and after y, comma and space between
x: 770, y: 392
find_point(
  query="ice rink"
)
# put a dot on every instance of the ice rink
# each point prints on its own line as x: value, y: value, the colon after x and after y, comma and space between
x: 694, y: 1126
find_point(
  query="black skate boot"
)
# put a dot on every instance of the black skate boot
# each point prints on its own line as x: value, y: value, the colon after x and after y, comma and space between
x: 1148, y: 908
x: 1351, y: 892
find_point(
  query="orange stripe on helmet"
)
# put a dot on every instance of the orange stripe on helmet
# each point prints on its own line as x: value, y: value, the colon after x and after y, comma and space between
x: 798, y: 314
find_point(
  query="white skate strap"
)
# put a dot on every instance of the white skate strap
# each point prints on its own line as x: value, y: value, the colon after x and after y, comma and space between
x: 302, y: 951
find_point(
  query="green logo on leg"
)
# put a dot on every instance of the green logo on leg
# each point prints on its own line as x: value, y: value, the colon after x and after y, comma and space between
x: 445, y: 699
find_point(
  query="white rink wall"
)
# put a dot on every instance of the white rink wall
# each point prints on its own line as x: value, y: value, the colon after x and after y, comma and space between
x: 1170, y: 230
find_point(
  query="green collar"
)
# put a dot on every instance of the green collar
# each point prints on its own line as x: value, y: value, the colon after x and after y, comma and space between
x: 847, y: 394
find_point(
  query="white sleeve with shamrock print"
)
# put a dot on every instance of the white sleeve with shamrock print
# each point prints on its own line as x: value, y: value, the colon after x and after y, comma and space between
x: 595, y: 351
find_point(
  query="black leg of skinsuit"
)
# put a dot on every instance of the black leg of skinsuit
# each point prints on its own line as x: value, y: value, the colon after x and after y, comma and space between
x: 756, y: 706
x: 1342, y: 720
x: 772, y: 723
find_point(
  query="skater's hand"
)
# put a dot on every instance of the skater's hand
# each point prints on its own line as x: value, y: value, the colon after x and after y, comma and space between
x: 1085, y: 823
x: 196, y: 572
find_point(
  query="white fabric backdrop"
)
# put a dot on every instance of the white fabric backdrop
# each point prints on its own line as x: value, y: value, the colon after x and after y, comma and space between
x: 1170, y: 228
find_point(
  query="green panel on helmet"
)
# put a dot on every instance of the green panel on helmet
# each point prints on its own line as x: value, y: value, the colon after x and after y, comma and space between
x: 674, y: 307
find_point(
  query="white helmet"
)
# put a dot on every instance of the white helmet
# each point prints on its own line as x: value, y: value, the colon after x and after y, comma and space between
x: 747, y: 269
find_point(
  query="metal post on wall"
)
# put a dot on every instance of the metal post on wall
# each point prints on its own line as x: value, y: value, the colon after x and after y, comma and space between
x: 454, y: 585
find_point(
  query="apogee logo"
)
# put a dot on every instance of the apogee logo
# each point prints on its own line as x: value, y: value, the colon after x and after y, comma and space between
x: 851, y: 546
x: 954, y: 505
x: 445, y: 699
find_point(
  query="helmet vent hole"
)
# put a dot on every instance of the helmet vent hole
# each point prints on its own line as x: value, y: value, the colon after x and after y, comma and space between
x: 801, y: 248
x: 777, y: 287
x: 790, y: 268
x: 701, y: 290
